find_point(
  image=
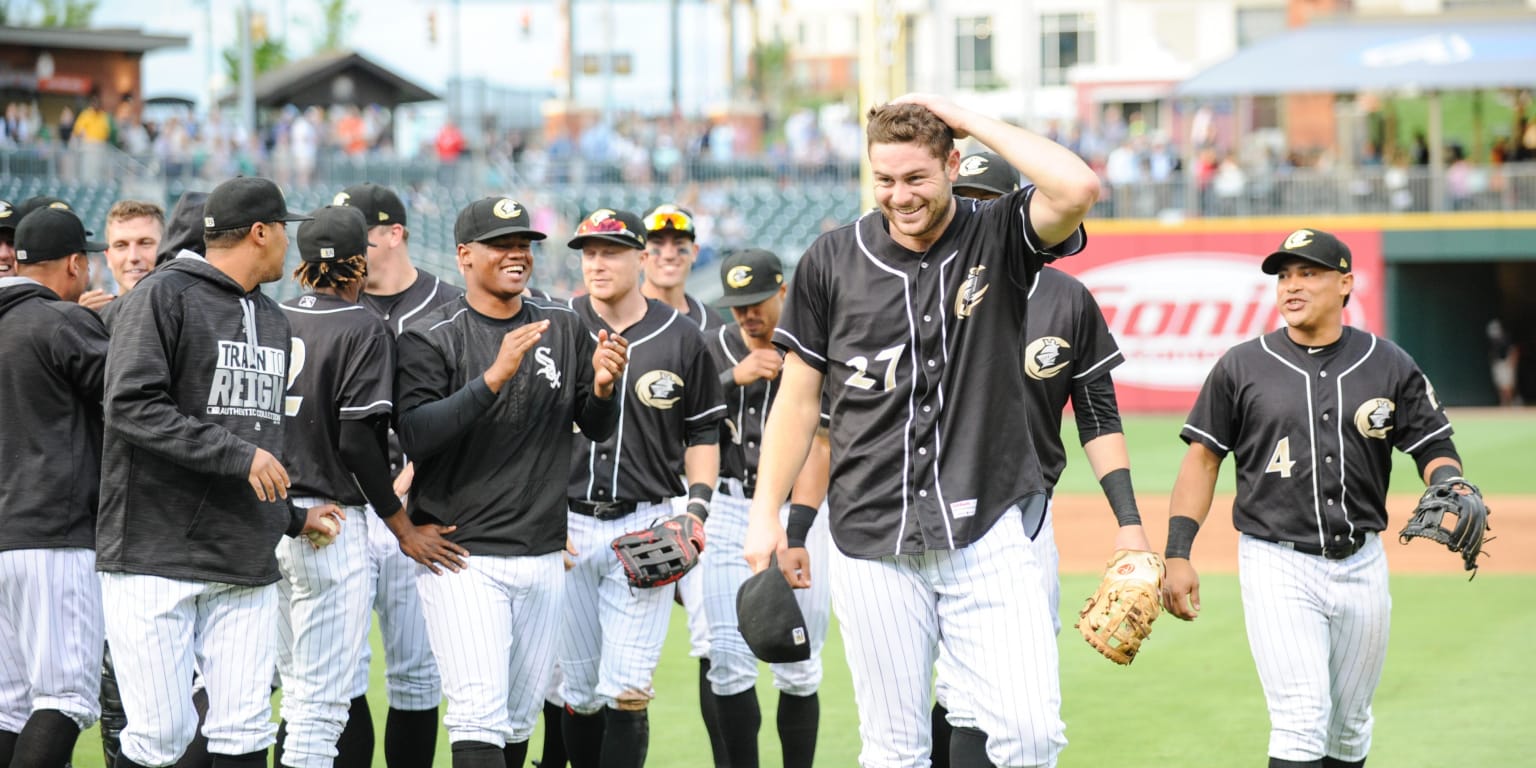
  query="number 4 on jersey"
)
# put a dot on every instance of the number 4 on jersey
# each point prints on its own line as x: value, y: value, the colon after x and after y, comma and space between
x: 1280, y: 461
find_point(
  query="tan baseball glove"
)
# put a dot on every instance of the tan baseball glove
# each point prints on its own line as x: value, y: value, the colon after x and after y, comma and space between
x: 1118, y: 618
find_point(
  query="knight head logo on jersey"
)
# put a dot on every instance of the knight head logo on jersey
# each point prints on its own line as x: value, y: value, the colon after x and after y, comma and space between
x: 1374, y: 417
x: 971, y: 292
x: 659, y: 389
x: 547, y: 368
x: 1046, y: 356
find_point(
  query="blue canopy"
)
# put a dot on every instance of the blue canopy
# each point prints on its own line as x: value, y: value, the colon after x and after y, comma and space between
x: 1429, y: 55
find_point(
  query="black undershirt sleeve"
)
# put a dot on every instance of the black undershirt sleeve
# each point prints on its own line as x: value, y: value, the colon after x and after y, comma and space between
x: 707, y: 433
x: 1438, y: 449
x: 1094, y: 405
x: 364, y: 454
x: 597, y: 418
x: 429, y: 427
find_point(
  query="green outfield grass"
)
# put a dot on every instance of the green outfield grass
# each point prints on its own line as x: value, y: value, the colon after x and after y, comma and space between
x: 1450, y: 695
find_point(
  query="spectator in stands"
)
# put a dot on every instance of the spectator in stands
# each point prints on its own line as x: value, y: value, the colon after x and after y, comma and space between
x: 1504, y: 360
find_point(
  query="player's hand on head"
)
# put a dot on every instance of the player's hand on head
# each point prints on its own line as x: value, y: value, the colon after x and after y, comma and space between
x: 1181, y: 588
x: 95, y: 299
x: 795, y: 563
x: 951, y: 113
x: 514, y: 345
x: 608, y: 362
x: 765, y: 536
x: 268, y: 478
x: 425, y: 544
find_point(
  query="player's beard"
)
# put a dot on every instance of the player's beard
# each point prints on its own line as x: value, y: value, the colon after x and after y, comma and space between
x: 924, y: 228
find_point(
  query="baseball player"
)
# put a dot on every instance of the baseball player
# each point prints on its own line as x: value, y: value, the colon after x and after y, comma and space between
x: 55, y: 352
x: 1069, y: 354
x: 340, y: 397
x: 754, y: 289
x: 669, y: 405
x: 671, y: 248
x: 486, y: 391
x: 134, y: 231
x: 8, y: 219
x: 192, y: 486
x: 401, y: 294
x: 911, y: 317
x: 1311, y: 413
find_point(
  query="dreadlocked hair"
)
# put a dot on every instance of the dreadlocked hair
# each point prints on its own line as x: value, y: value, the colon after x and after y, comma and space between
x: 331, y: 274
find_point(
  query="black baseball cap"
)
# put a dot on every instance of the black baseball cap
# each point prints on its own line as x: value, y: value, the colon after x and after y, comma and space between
x: 243, y: 201
x: 39, y: 202
x: 379, y: 204
x: 491, y: 217
x: 52, y: 233
x: 620, y: 227
x: 334, y: 232
x: 669, y: 218
x: 769, y: 618
x: 184, y: 228
x: 1315, y: 246
x: 749, y: 276
x: 987, y: 172
x: 8, y: 215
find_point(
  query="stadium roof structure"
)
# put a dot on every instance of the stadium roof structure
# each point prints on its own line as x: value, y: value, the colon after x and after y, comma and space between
x: 131, y: 40
x: 337, y: 77
x: 1437, y: 54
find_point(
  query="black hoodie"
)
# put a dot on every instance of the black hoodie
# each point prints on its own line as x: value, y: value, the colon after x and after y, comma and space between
x: 195, y: 382
x: 53, y: 355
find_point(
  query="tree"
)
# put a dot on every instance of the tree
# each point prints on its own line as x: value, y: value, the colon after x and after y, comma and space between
x: 267, y: 53
x: 335, y: 22
x: 65, y: 13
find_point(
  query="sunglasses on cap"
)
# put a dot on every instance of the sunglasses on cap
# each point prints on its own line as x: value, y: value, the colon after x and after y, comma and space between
x: 677, y: 220
x: 608, y: 226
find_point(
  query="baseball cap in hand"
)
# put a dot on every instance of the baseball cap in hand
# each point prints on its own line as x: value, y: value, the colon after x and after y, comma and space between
x: 986, y: 172
x: 669, y: 218
x: 749, y: 276
x: 769, y: 618
x: 52, y: 233
x: 336, y: 232
x: 491, y: 217
x: 243, y: 201
x: 379, y: 204
x: 618, y: 227
x: 1315, y: 246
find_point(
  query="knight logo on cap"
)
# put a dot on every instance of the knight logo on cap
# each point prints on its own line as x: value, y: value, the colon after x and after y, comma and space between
x: 973, y: 165
x: 341, y: 198
x: 5, y: 210
x: 59, y: 205
x: 506, y: 208
x: 1301, y: 238
x: 739, y: 277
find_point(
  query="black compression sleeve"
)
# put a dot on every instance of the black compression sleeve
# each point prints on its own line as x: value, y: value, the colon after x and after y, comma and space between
x: 801, y: 518
x: 1093, y: 402
x: 429, y: 427
x: 364, y: 454
x: 707, y: 433
x: 1442, y: 448
x: 598, y: 418
x: 1122, y: 498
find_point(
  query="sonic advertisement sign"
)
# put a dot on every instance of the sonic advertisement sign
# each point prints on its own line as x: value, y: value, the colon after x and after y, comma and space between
x: 1176, y: 302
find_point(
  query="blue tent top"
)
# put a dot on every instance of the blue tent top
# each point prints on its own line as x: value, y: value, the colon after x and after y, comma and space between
x: 1430, y: 55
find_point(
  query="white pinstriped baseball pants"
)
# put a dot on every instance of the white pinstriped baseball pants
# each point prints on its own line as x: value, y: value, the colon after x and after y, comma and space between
x: 494, y: 626
x: 323, y: 602
x: 987, y: 605
x: 1318, y: 630
x: 161, y: 629
x: 50, y: 635
x: 410, y: 671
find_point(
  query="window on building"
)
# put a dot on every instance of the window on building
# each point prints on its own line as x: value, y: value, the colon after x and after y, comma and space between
x: 1066, y: 40
x: 1255, y: 24
x: 973, y: 52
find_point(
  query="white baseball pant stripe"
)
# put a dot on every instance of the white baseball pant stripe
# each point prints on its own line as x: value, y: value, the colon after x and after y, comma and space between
x: 732, y: 667
x: 986, y: 605
x: 1318, y: 630
x: 323, y: 617
x: 409, y: 669
x: 613, y: 633
x: 50, y: 635
x: 160, y: 629
x: 494, y: 627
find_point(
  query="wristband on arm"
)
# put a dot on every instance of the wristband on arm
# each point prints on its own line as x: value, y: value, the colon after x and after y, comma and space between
x: 699, y: 495
x: 801, y: 516
x: 1122, y: 498
x: 1181, y: 536
x: 1443, y: 474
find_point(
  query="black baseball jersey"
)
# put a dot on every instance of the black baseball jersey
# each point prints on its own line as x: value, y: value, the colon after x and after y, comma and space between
x: 1313, y: 430
x: 341, y: 367
x: 924, y: 373
x: 406, y: 307
x: 741, y: 433
x: 670, y: 390
x: 700, y: 313
x: 1068, y: 343
x: 501, y: 480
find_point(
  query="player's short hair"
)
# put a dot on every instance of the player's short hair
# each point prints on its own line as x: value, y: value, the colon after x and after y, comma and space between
x: 331, y: 274
x: 225, y: 238
x: 909, y: 124
x: 405, y: 232
x: 124, y: 210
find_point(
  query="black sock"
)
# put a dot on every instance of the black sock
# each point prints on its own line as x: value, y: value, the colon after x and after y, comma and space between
x: 515, y: 753
x: 626, y: 738
x: 46, y: 741
x: 740, y: 721
x: 799, y: 720
x: 277, y: 746
x: 968, y: 749
x: 1275, y: 762
x: 197, y: 755
x: 554, y: 737
x: 477, y: 754
x: 410, y: 738
x: 941, y: 734
x: 112, y: 716
x: 1334, y: 762
x: 8, y: 747
x: 354, y: 748
x: 709, y: 708
x: 257, y: 759
x: 583, y: 737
